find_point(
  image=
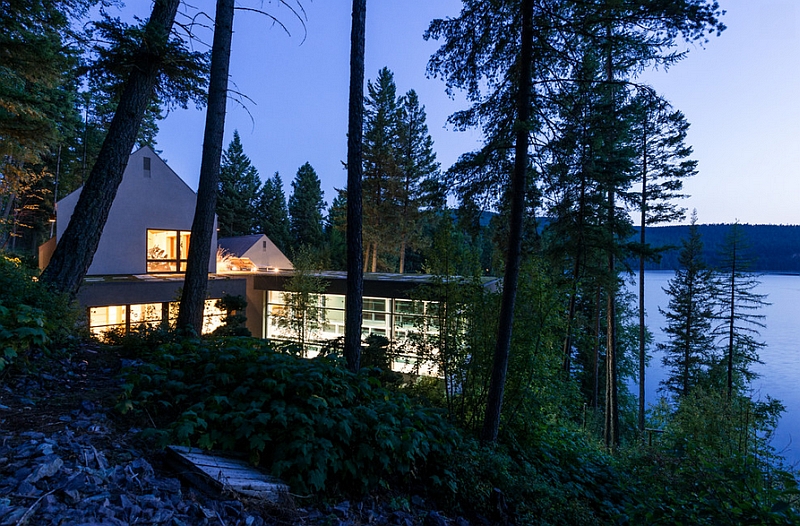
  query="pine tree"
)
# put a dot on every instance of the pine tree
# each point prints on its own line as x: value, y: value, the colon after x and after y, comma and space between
x: 335, y: 227
x: 195, y: 283
x: 664, y: 163
x: 355, y: 166
x: 305, y: 209
x: 238, y: 192
x: 690, y: 346
x: 381, y: 172
x: 736, y: 304
x: 272, y: 215
x: 418, y: 171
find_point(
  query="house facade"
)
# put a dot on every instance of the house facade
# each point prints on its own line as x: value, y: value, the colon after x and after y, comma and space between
x: 137, y: 272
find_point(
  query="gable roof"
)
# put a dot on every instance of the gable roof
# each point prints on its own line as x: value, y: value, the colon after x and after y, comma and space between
x: 237, y: 246
x: 258, y: 248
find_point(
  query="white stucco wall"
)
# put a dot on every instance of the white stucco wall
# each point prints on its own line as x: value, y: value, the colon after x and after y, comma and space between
x: 160, y: 201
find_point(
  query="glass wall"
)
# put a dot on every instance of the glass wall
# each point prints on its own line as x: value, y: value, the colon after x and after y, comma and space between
x: 127, y: 317
x: 401, y: 321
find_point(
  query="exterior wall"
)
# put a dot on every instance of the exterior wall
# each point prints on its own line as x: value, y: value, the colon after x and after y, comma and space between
x: 267, y: 256
x: 132, y: 300
x: 146, y: 199
x: 130, y: 290
x: 46, y: 250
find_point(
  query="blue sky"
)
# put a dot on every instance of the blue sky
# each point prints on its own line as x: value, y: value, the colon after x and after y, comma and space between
x: 741, y: 94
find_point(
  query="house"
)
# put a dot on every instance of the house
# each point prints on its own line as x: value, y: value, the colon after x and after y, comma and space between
x: 250, y: 253
x: 137, y: 272
x: 135, y: 275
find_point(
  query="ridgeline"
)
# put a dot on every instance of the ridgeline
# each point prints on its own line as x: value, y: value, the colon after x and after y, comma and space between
x: 773, y: 248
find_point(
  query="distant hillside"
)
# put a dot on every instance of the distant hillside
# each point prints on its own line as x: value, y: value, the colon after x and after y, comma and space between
x: 774, y: 248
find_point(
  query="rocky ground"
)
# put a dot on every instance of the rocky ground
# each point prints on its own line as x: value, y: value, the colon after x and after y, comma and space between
x: 67, y: 458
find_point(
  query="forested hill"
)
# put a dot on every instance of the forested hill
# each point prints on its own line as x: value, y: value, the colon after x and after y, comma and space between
x: 773, y: 248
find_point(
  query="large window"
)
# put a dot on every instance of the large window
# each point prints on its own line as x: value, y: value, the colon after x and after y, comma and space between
x: 167, y: 250
x: 124, y: 318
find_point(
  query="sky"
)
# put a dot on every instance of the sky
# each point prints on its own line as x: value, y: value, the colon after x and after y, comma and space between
x: 739, y: 91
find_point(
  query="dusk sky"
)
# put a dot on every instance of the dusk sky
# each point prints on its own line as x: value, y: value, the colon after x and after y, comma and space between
x: 740, y: 93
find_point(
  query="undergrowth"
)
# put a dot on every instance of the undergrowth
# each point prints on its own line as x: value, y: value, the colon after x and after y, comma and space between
x: 311, y: 422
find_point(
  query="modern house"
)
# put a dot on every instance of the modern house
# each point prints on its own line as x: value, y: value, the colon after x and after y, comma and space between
x: 137, y: 272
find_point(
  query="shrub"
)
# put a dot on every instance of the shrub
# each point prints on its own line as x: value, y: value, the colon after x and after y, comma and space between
x: 30, y: 315
x: 21, y: 328
x: 313, y: 423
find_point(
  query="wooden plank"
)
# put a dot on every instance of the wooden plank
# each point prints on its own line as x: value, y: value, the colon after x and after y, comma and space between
x: 217, y: 473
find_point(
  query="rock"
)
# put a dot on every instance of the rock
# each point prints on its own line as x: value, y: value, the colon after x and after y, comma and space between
x: 434, y: 519
x: 49, y: 467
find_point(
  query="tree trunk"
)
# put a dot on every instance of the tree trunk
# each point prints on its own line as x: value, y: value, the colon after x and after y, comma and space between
x: 494, y: 403
x: 403, y: 254
x: 642, y: 238
x: 612, y: 402
x: 355, y: 127
x: 196, y: 282
x: 731, y: 326
x: 75, y: 250
x: 374, y: 257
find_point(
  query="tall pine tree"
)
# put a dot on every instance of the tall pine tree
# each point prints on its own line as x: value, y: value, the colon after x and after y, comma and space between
x: 737, y: 303
x: 237, y: 199
x: 305, y: 210
x: 689, y: 348
x: 418, y: 171
x: 381, y: 173
x: 272, y: 215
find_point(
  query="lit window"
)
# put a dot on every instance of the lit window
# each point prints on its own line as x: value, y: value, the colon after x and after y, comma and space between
x: 167, y: 250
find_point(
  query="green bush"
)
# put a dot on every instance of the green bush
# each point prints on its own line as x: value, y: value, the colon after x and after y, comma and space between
x: 21, y: 328
x: 313, y: 423
x: 713, y: 465
x: 30, y: 316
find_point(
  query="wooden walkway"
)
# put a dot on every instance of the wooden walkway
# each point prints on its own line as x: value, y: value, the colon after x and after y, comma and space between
x: 220, y: 473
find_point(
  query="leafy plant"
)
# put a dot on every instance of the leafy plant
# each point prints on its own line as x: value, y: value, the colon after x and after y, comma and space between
x: 21, y: 328
x: 313, y: 423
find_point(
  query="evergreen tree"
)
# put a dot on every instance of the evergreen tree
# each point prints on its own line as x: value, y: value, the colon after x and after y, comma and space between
x: 355, y: 167
x: 664, y: 163
x: 305, y: 209
x: 418, y: 171
x: 690, y: 346
x: 195, y: 282
x: 736, y: 304
x: 381, y: 171
x: 237, y: 199
x: 272, y: 215
x: 335, y: 228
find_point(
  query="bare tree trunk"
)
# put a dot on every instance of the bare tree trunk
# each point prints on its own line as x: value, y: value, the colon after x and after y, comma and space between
x: 642, y: 238
x: 374, y: 257
x: 403, y: 254
x: 612, y: 402
x: 732, y: 323
x: 75, y: 250
x: 355, y: 127
x: 596, y: 368
x: 195, y: 284
x: 494, y: 403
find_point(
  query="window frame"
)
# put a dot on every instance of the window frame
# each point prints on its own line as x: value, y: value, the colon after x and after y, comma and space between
x: 179, y: 262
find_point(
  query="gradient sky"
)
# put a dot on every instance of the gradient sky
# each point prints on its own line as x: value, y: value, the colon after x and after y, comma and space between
x: 740, y: 92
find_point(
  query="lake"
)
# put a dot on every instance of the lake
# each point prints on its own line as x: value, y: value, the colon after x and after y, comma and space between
x: 779, y: 376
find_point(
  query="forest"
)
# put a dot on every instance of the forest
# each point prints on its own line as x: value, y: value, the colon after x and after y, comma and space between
x: 775, y: 245
x: 529, y: 419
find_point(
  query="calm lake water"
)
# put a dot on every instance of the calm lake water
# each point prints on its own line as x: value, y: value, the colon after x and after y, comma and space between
x: 780, y: 372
